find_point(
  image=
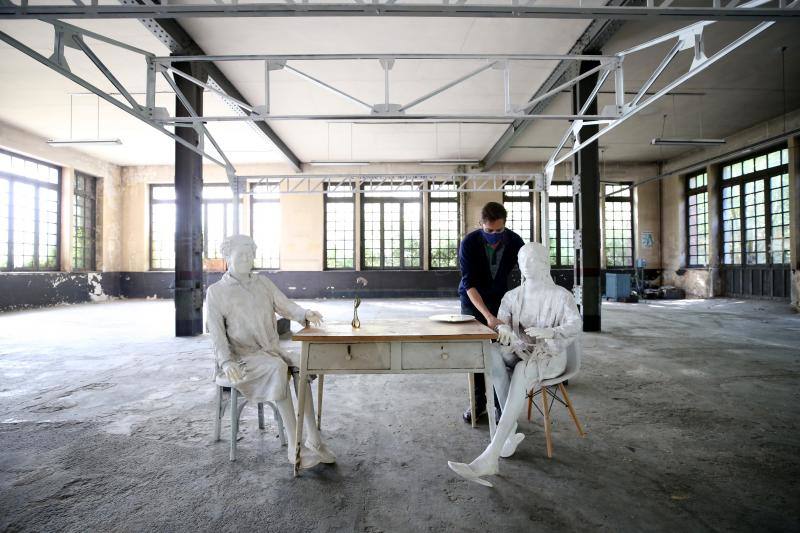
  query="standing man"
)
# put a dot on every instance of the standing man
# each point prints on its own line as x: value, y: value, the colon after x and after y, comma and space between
x: 486, y: 257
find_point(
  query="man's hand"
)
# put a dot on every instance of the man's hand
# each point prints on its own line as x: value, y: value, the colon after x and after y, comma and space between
x: 314, y: 319
x: 540, y: 333
x: 504, y: 335
x: 233, y: 371
x: 493, y: 322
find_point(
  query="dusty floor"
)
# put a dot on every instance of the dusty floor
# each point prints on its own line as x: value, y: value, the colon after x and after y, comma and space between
x: 691, y: 409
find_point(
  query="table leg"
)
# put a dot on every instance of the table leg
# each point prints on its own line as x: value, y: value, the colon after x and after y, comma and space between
x: 472, y: 406
x: 302, y: 387
x: 320, y: 383
x: 489, y: 384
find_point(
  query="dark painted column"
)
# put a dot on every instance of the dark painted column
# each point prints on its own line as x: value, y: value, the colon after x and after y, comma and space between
x: 587, y: 165
x: 188, y: 225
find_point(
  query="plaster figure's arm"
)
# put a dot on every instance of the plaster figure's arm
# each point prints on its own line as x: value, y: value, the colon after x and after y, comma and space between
x: 284, y: 306
x: 569, y: 327
x: 216, y: 327
x: 506, y: 305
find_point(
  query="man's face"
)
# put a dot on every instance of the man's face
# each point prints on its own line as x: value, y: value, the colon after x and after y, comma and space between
x: 241, y: 260
x: 493, y: 226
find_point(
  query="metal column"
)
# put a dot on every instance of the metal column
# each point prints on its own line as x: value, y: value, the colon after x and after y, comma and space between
x: 587, y: 219
x: 188, y: 202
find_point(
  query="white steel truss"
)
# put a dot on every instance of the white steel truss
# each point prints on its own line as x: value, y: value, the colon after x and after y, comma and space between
x: 339, y: 184
x: 688, y: 38
x: 575, y: 9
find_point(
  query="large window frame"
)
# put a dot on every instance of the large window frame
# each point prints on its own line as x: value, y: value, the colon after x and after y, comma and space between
x: 84, y: 222
x: 22, y: 171
x: 561, y: 222
x: 155, y: 256
x: 615, y: 194
x: 517, y: 195
x: 403, y: 198
x: 339, y: 195
x: 743, y: 182
x: 270, y: 194
x: 697, y: 223
x: 444, y: 195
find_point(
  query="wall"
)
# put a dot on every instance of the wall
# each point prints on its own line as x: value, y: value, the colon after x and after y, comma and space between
x: 31, y: 289
x: 706, y: 282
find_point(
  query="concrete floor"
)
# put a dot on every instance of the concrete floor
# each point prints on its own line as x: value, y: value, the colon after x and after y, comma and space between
x: 691, y: 409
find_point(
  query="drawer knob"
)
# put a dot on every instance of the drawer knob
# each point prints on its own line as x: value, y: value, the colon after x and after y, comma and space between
x: 348, y: 357
x: 445, y: 355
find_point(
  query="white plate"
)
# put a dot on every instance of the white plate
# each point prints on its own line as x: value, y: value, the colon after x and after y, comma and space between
x: 452, y: 318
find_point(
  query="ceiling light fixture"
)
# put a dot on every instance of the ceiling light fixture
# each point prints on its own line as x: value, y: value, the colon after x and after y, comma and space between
x: 659, y: 141
x: 84, y: 142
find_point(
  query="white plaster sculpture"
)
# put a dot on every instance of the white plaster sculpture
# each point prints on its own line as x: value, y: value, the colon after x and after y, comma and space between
x: 243, y: 327
x: 544, y: 320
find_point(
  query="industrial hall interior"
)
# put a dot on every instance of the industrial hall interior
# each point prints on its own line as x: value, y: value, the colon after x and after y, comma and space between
x: 399, y: 265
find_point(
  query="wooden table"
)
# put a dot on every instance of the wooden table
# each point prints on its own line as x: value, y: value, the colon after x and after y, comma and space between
x: 396, y: 346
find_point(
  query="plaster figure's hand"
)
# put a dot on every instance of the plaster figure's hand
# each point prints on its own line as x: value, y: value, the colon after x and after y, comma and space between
x: 504, y: 335
x: 540, y: 333
x: 493, y: 322
x: 233, y: 371
x: 314, y: 318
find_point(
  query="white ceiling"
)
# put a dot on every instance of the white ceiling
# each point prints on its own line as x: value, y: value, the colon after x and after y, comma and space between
x: 36, y: 99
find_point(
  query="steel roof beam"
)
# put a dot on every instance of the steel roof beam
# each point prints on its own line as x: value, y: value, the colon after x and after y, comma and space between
x: 710, y: 11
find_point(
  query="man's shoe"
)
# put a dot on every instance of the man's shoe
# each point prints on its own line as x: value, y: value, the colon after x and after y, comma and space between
x: 467, y: 416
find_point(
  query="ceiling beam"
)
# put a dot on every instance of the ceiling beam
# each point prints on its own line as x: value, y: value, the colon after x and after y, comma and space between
x: 178, y: 40
x: 593, y: 39
x: 707, y: 11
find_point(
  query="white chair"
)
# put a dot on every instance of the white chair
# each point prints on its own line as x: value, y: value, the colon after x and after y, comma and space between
x: 549, y: 390
x: 237, y: 401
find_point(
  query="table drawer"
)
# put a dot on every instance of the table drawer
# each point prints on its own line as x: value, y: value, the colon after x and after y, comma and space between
x: 435, y: 355
x: 357, y: 356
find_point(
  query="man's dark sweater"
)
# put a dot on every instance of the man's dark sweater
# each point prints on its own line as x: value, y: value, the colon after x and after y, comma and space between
x: 476, y: 269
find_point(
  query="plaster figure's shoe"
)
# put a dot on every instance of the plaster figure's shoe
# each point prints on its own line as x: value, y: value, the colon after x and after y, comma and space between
x: 510, y: 445
x: 308, y: 458
x: 323, y: 452
x: 466, y: 471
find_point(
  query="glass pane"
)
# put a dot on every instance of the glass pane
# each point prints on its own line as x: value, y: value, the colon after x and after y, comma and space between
x: 267, y: 234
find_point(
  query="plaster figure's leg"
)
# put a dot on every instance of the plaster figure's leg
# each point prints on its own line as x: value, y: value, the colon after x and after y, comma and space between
x: 488, y: 462
x: 286, y: 409
x: 311, y: 432
x: 501, y: 375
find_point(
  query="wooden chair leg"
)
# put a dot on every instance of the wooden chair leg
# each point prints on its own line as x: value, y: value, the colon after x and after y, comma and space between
x: 530, y: 404
x: 546, y: 412
x: 320, y: 383
x: 472, y: 406
x: 571, y: 409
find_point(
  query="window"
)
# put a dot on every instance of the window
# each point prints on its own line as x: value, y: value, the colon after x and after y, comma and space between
x: 265, y: 224
x: 392, y: 229
x: 84, y: 211
x: 618, y: 226
x: 755, y: 210
x: 217, y: 223
x: 561, y: 222
x: 444, y: 225
x: 162, y: 227
x: 340, y: 209
x: 697, y: 219
x: 518, y: 201
x: 29, y: 211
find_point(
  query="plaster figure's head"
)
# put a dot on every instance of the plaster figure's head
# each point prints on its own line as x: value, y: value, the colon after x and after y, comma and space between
x: 240, y: 252
x: 534, y: 262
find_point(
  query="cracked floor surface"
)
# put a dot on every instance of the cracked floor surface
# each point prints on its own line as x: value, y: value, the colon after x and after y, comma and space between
x: 691, y: 409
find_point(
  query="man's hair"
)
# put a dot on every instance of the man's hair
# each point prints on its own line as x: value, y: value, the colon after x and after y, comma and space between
x: 493, y: 211
x: 235, y: 241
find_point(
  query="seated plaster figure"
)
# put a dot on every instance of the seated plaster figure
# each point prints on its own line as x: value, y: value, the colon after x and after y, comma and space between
x: 540, y: 320
x: 243, y: 327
